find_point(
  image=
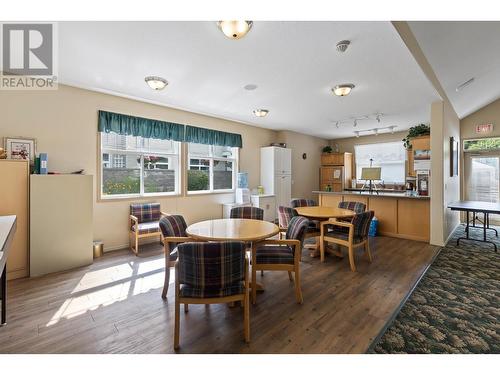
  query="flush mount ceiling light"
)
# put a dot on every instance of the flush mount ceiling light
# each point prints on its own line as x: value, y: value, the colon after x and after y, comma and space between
x: 260, y: 112
x: 250, y: 87
x: 342, y: 45
x: 343, y: 89
x: 235, y: 29
x: 156, y: 83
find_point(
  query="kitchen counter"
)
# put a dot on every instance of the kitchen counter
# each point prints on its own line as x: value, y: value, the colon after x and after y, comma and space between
x: 393, y: 194
x: 399, y: 215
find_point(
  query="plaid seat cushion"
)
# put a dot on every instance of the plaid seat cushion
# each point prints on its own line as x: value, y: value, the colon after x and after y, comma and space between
x: 144, y: 228
x: 342, y: 233
x: 228, y: 290
x: 255, y: 213
x: 145, y: 212
x: 302, y: 203
x: 274, y: 254
x: 211, y: 266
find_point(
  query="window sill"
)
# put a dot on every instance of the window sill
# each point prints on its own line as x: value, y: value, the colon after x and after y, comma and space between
x: 205, y: 192
x: 116, y: 198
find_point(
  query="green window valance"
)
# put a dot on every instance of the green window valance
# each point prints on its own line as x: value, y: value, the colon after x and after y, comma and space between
x: 212, y: 137
x: 139, y: 126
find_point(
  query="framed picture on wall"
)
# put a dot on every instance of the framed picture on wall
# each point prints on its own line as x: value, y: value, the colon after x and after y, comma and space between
x: 20, y: 148
x: 453, y: 157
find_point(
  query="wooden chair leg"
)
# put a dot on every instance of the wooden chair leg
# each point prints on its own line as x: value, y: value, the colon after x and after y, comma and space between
x: 254, y: 285
x: 167, y: 279
x: 261, y: 272
x: 351, y: 258
x: 298, y: 291
x: 186, y: 307
x: 368, y: 251
x: 246, y: 316
x: 290, y: 275
x: 136, y: 244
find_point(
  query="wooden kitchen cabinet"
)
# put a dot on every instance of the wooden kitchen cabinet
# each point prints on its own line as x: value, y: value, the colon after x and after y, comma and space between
x: 336, y: 171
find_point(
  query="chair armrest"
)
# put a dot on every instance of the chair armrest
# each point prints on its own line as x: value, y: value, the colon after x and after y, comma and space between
x: 133, y: 221
x: 337, y: 223
x: 280, y: 242
x: 178, y: 239
x: 163, y: 214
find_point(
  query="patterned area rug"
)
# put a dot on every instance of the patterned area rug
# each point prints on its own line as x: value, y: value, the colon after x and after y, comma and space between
x: 456, y: 306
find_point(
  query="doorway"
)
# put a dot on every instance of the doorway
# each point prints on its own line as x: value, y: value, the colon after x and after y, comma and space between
x: 482, y: 178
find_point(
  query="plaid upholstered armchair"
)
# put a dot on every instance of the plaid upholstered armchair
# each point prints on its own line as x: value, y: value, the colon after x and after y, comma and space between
x: 211, y: 272
x: 302, y: 203
x: 173, y: 228
x: 285, y: 215
x: 144, y: 221
x: 281, y: 255
x: 255, y: 213
x: 355, y: 236
x: 357, y: 207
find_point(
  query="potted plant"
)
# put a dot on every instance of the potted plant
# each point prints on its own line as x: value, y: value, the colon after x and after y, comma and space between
x: 327, y: 150
x: 416, y: 131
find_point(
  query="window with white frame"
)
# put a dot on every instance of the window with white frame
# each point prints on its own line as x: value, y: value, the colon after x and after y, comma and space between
x: 211, y: 168
x: 390, y: 156
x: 136, y: 166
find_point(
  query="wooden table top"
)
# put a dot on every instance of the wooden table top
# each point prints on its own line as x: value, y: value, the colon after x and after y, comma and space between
x: 487, y: 207
x: 232, y: 230
x: 321, y: 212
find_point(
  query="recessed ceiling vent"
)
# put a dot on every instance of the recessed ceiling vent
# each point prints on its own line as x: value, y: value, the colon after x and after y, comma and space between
x: 342, y: 45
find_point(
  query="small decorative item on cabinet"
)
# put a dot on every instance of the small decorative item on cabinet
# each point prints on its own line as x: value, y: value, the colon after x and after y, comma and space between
x: 328, y: 187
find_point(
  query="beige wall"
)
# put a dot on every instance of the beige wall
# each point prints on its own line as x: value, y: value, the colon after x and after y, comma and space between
x: 347, y: 144
x: 64, y: 122
x: 305, y: 178
x: 489, y: 114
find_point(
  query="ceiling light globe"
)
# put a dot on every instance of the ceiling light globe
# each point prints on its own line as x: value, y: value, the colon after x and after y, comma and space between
x: 156, y: 83
x: 260, y: 112
x: 343, y: 90
x: 235, y: 29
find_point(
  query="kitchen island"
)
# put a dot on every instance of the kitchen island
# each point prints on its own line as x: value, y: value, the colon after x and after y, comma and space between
x: 399, y: 214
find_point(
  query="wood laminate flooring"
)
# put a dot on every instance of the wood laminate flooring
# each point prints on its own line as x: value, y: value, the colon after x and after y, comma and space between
x: 114, y: 306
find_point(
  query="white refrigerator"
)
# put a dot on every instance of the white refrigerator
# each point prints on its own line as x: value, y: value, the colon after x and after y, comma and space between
x: 276, y: 173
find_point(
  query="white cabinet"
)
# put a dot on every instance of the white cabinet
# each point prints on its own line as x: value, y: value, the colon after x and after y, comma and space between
x: 268, y: 204
x: 276, y: 173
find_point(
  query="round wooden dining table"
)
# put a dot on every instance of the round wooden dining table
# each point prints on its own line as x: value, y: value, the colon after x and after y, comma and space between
x: 322, y: 213
x: 232, y: 230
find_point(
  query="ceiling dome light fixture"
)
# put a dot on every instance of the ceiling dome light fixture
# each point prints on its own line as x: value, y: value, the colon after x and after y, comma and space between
x: 260, y: 112
x: 343, y: 89
x: 156, y: 83
x: 342, y: 45
x: 235, y: 29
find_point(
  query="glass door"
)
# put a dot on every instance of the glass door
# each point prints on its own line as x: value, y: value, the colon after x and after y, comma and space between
x: 482, y: 179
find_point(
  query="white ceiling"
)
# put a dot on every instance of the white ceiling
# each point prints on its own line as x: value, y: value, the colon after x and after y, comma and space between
x: 459, y: 51
x: 294, y: 64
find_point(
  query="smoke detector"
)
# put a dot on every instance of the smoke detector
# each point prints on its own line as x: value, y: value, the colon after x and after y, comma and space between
x: 342, y: 45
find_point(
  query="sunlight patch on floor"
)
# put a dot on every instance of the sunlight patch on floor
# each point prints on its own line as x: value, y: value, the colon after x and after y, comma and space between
x: 106, y: 286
